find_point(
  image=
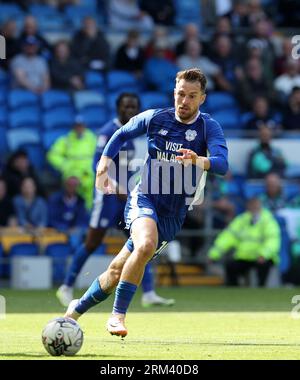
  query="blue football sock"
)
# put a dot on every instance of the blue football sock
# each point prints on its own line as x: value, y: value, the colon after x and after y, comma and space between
x: 78, y: 260
x: 148, y: 280
x: 91, y: 297
x: 124, y: 294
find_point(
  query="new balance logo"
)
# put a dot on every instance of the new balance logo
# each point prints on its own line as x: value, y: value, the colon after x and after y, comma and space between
x: 163, y: 132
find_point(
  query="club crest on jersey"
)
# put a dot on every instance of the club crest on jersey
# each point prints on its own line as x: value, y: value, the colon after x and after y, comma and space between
x: 163, y: 132
x: 190, y: 135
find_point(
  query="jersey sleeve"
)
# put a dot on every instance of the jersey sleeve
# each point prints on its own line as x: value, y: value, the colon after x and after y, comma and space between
x: 217, y: 148
x: 137, y: 126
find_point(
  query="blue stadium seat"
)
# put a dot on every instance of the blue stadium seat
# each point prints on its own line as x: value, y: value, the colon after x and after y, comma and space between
x: 40, y: 10
x: 51, y: 135
x: 22, y: 98
x: 25, y: 117
x: 24, y: 249
x: 291, y: 189
x: 253, y: 188
x: 3, y: 116
x: 83, y: 99
x: 59, y: 253
x: 187, y: 11
x: 55, y: 98
x: 220, y: 101
x: 117, y: 80
x: 95, y: 81
x: 245, y: 118
x: 9, y: 11
x: 19, y: 136
x: 76, y: 13
x: 4, y: 80
x: 229, y: 119
x: 36, y: 154
x: 94, y: 116
x: 62, y: 117
x: 3, y: 142
x: 153, y: 99
x: 3, y: 97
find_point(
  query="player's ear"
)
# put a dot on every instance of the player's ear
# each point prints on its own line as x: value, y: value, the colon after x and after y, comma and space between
x: 202, y: 99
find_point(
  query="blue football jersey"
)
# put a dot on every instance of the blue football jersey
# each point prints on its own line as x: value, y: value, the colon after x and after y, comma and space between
x: 165, y: 181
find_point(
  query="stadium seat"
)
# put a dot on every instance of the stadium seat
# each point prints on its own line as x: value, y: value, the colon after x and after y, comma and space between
x: 48, y: 236
x: 252, y: 188
x: 49, y: 136
x: 36, y: 154
x: 187, y: 11
x: 291, y: 189
x: 117, y: 80
x: 24, y: 249
x: 3, y: 116
x: 229, y: 119
x: 220, y: 101
x: 153, y: 99
x: 4, y: 80
x: 76, y: 13
x: 25, y: 117
x: 19, y: 136
x: 55, y: 98
x: 94, y: 117
x: 62, y: 117
x: 22, y: 98
x: 9, y: 11
x: 59, y: 253
x: 3, y: 142
x: 88, y: 98
x: 95, y: 81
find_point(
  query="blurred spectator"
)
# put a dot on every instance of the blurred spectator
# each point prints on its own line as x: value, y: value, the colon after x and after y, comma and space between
x: 90, y: 46
x: 30, y: 29
x: 280, y: 63
x: 126, y: 14
x: 255, y: 11
x: 159, y: 72
x: 67, y: 212
x: 31, y: 210
x: 254, y: 50
x: 7, y: 213
x: 265, y: 158
x: 252, y: 83
x: 17, y: 168
x: 162, y: 12
x: 273, y: 198
x: 9, y: 32
x: 289, y: 79
x: 73, y: 154
x: 191, y: 32
x: 130, y: 55
x: 193, y: 58
x: 239, y: 15
x: 262, y: 116
x: 224, y: 57
x: 160, y: 35
x: 289, y: 13
x: 29, y: 70
x: 291, y: 116
x: 66, y: 72
x: 253, y: 238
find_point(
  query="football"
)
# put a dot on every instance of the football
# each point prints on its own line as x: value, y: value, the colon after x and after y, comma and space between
x: 62, y: 336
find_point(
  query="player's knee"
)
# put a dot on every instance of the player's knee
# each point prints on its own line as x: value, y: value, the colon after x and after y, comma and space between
x: 146, y: 249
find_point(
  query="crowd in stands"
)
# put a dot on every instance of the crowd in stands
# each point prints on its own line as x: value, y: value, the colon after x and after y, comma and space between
x: 58, y: 88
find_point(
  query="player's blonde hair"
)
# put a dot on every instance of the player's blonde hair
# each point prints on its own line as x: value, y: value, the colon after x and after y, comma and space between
x: 192, y: 75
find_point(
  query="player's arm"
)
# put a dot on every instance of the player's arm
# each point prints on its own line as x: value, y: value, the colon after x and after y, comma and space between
x: 137, y: 126
x: 191, y: 157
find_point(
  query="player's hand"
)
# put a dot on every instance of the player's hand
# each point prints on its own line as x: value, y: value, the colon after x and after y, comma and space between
x: 105, y: 184
x: 188, y: 156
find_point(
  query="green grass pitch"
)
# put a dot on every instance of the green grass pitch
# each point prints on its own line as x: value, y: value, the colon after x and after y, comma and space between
x: 205, y: 323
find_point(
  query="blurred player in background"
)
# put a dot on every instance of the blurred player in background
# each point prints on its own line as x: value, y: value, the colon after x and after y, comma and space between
x: 108, y: 210
x: 181, y: 135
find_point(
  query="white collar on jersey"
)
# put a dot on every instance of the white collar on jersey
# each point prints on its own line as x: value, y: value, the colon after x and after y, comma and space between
x: 190, y: 122
x: 117, y: 122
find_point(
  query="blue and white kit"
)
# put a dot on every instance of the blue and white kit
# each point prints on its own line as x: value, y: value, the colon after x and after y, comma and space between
x: 165, y: 135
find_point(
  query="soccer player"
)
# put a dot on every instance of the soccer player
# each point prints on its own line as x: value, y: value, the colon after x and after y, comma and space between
x: 177, y: 136
x: 108, y: 210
